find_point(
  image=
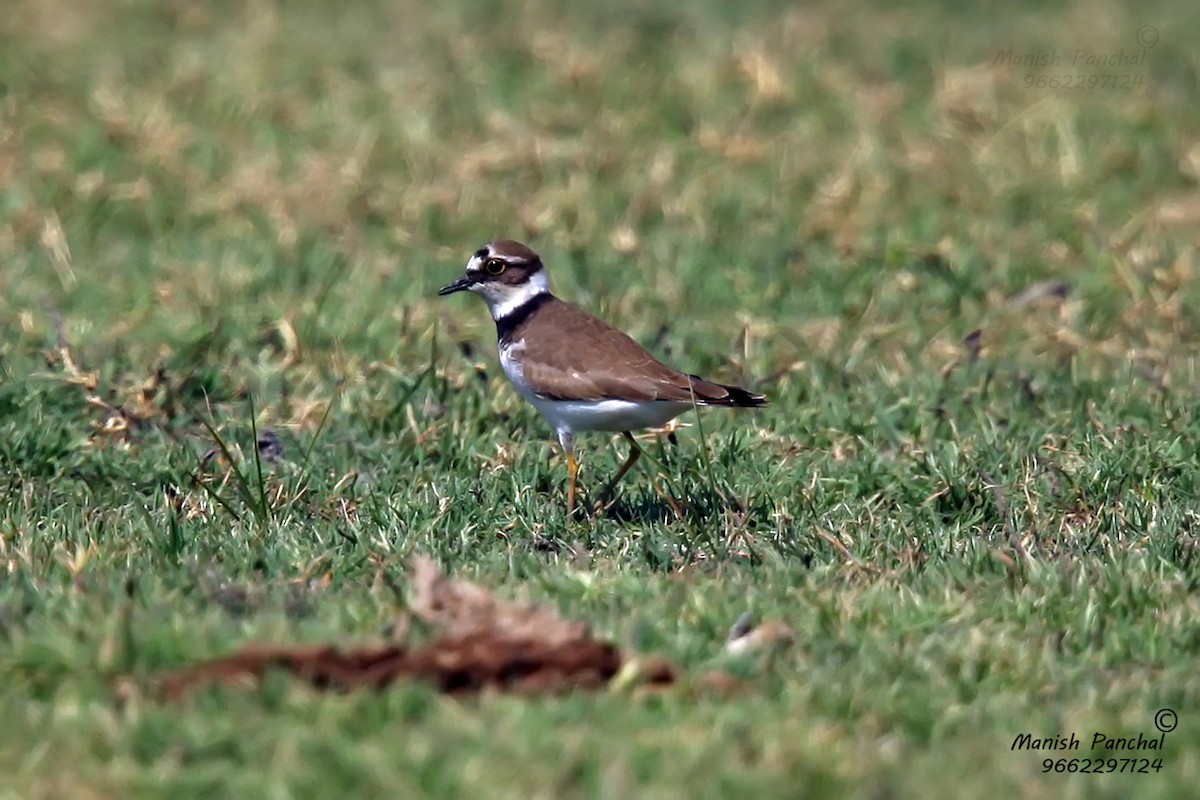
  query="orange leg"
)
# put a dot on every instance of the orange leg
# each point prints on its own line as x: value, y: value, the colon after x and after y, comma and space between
x: 634, y: 454
x: 572, y: 474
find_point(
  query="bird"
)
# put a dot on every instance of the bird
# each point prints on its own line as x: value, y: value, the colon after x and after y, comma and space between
x: 579, y: 372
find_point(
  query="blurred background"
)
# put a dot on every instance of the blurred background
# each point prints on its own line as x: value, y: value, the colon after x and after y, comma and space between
x: 828, y: 174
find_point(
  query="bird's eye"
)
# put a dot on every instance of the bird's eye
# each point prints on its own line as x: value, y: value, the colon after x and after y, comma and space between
x: 494, y: 266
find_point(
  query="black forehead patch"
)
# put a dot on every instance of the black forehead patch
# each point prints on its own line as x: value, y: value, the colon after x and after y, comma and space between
x: 481, y: 252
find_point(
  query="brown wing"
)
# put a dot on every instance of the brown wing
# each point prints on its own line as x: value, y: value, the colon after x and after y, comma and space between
x: 602, y: 363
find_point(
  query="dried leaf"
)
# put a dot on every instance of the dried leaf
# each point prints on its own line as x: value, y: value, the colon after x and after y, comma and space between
x: 484, y: 643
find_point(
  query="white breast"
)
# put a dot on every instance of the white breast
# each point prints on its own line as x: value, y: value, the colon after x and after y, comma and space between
x: 510, y: 355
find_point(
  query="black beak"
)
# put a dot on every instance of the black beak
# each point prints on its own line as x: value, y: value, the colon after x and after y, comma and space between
x: 459, y: 285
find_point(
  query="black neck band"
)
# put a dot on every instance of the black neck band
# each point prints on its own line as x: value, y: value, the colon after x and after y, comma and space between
x: 508, y: 324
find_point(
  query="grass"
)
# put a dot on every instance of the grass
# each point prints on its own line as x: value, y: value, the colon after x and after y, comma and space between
x: 227, y: 219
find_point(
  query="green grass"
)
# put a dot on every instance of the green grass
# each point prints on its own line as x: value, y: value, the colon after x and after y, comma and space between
x: 256, y: 203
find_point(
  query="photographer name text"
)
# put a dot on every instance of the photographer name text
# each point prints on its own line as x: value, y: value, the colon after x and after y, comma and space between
x: 1078, y: 58
x: 1100, y: 741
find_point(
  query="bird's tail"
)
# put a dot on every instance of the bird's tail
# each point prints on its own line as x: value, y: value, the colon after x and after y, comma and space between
x: 718, y: 394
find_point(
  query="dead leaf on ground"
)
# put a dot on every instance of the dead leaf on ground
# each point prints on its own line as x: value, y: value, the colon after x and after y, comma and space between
x: 482, y: 642
x: 459, y: 607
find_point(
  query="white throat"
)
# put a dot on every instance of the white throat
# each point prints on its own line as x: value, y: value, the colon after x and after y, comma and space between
x: 503, y: 299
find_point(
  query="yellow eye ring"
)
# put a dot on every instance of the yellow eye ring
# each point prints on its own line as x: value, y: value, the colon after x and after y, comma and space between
x: 494, y: 266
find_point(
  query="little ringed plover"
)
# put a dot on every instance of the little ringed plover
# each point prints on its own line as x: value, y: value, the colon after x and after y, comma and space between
x: 579, y: 372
